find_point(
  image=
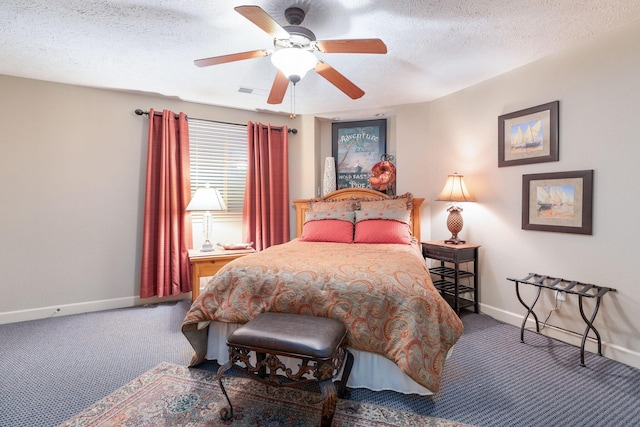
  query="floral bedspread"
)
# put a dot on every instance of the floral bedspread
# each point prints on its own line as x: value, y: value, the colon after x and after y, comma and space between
x: 382, y: 293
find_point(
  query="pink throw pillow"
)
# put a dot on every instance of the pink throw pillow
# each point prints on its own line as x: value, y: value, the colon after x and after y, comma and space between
x: 327, y: 230
x: 382, y: 231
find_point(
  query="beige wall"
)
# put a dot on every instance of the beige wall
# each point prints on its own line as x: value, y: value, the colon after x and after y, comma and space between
x: 72, y: 173
x: 72, y: 170
x: 599, y: 92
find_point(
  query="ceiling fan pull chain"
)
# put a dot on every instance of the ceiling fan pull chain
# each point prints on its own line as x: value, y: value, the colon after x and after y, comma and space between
x: 293, y: 102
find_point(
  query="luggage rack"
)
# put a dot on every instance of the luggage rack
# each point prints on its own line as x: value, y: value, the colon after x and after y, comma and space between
x: 583, y: 290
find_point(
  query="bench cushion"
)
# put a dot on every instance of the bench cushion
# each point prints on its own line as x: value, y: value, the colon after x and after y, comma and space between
x: 293, y: 334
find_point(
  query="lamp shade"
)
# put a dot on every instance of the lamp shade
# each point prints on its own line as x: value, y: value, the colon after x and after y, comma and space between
x: 206, y: 199
x: 294, y: 62
x: 455, y: 190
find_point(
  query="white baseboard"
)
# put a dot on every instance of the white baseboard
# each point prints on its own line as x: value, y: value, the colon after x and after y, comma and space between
x: 609, y: 350
x: 83, y: 307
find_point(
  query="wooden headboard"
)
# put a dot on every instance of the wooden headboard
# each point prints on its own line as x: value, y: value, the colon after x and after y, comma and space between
x: 302, y: 206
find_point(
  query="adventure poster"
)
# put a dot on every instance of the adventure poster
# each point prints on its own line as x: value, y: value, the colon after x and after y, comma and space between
x: 357, y: 147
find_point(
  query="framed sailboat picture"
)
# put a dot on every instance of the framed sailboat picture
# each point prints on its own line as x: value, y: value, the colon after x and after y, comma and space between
x: 559, y: 201
x: 528, y: 136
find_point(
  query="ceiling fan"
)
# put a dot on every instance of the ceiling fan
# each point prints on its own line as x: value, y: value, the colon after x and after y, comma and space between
x: 293, y: 52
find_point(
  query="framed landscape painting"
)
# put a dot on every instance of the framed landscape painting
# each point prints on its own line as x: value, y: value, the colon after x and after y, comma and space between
x: 528, y: 136
x: 560, y: 201
x: 357, y: 147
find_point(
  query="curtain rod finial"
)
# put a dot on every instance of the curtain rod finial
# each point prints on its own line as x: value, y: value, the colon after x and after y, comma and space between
x: 139, y: 112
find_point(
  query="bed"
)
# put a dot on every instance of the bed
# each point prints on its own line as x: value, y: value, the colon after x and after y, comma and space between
x: 356, y: 258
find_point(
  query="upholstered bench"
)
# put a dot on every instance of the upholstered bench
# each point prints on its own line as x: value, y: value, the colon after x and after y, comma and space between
x: 318, y: 342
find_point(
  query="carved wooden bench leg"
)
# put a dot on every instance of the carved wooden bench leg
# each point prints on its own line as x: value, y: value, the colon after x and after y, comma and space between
x: 328, y: 389
x: 225, y: 414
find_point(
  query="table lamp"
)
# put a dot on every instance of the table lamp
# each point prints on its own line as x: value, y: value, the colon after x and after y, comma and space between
x: 455, y: 191
x: 206, y: 199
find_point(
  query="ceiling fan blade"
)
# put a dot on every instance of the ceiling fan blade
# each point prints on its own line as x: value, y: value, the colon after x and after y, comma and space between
x: 278, y: 89
x: 352, y: 46
x: 338, y: 80
x: 215, y: 60
x: 263, y: 20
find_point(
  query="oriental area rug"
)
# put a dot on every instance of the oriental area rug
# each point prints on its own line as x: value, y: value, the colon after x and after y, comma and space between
x: 173, y: 395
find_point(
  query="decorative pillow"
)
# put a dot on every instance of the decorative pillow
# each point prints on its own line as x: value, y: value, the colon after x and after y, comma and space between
x: 328, y: 227
x: 335, y: 215
x: 393, y: 215
x: 382, y: 226
x: 392, y: 203
x: 333, y: 205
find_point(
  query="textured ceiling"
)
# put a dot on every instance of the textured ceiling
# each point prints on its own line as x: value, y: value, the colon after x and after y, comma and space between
x: 435, y: 47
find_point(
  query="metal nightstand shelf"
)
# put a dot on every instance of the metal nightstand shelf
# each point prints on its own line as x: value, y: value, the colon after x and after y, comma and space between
x: 450, y: 276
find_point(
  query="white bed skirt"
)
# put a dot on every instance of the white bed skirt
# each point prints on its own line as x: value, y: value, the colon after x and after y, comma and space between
x: 371, y: 371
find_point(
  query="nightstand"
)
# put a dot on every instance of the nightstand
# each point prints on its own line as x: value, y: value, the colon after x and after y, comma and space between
x: 205, y: 264
x: 449, y: 273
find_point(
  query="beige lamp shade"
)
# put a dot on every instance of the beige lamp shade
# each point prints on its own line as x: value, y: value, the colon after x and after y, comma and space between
x: 455, y: 190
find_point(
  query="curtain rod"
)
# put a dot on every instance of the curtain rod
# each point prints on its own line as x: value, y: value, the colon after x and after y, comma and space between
x: 140, y: 112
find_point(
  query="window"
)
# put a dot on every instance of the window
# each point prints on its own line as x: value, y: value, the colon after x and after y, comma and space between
x: 218, y: 154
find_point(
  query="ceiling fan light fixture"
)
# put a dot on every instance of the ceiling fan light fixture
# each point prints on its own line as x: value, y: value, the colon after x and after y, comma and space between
x: 294, y: 62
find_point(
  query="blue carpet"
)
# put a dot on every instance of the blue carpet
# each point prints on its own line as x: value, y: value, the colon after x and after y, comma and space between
x: 492, y: 379
x: 52, y: 369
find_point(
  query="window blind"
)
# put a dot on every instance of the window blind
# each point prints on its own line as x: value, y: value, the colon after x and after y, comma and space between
x: 218, y: 153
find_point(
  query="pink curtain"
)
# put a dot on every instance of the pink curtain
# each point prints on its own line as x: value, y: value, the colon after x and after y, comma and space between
x: 167, y: 229
x: 266, y: 203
